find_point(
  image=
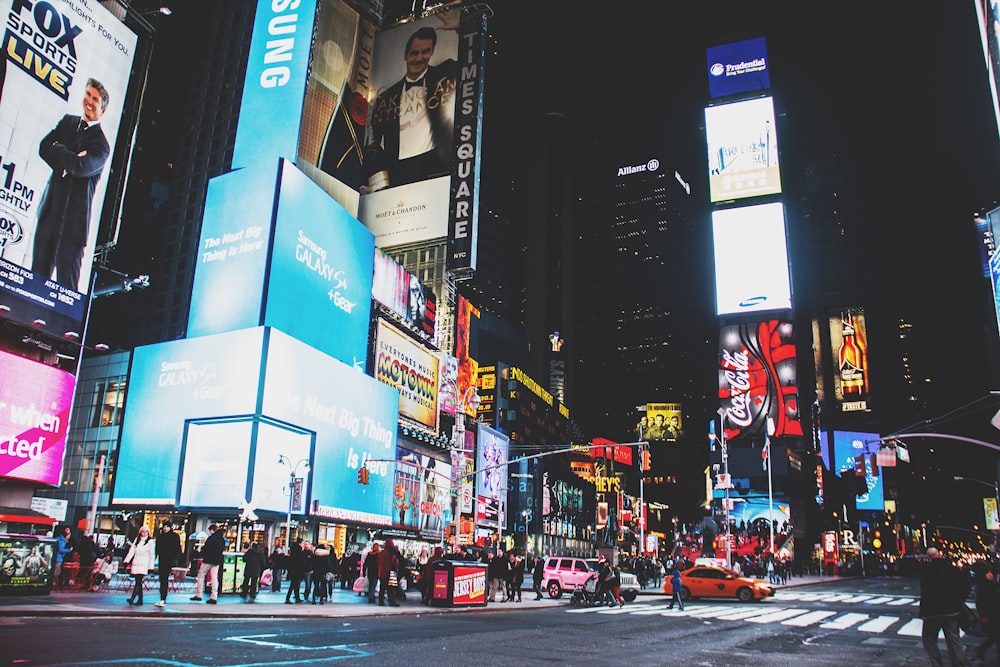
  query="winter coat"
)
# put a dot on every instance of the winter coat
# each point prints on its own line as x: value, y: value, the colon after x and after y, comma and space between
x: 675, y: 582
x: 254, y: 562
x: 142, y: 555
x: 943, y: 588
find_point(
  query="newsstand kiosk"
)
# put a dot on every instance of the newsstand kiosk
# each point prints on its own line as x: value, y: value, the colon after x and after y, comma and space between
x: 458, y: 583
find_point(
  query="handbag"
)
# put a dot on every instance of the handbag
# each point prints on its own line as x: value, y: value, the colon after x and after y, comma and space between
x: 361, y: 584
x: 266, y: 577
x: 967, y: 619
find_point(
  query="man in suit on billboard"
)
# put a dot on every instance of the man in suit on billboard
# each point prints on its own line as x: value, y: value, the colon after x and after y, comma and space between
x: 76, y: 150
x: 413, y: 120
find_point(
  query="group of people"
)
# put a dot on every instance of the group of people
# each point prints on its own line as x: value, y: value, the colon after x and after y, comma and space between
x: 505, y: 574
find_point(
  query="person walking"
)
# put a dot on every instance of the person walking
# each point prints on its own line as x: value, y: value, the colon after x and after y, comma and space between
x: 254, y: 563
x: 371, y: 571
x: 515, y: 577
x: 141, y: 554
x: 537, y: 575
x: 168, y: 550
x: 988, y: 608
x: 943, y: 589
x: 211, y: 561
x: 296, y: 562
x: 320, y: 561
x: 64, y: 547
x: 676, y: 587
x: 388, y: 567
x: 278, y: 562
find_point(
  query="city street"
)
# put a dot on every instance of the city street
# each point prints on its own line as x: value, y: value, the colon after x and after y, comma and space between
x: 853, y: 621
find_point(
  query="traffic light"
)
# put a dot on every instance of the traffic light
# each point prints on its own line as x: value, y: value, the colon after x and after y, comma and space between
x: 362, y: 475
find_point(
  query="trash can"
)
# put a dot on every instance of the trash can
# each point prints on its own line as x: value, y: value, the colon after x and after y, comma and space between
x: 458, y: 583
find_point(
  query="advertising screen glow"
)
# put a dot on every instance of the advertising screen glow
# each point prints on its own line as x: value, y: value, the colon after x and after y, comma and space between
x: 56, y: 173
x: 742, y: 150
x: 35, y: 401
x: 738, y: 67
x: 851, y: 457
x: 751, y: 260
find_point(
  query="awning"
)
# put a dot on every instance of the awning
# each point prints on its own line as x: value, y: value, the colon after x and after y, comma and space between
x: 25, y: 515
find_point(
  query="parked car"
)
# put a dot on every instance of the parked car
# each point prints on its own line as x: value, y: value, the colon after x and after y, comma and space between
x: 564, y: 573
x: 719, y: 582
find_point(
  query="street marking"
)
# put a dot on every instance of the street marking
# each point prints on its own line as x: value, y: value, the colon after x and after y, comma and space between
x: 857, y: 598
x: 778, y: 615
x: 881, y: 600
x: 879, y: 624
x: 809, y: 619
x: 912, y: 628
x: 845, y: 621
x: 902, y: 601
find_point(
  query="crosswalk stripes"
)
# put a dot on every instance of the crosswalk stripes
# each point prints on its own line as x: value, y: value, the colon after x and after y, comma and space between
x: 790, y: 616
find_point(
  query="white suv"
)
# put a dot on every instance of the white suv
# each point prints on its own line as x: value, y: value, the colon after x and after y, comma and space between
x: 564, y: 573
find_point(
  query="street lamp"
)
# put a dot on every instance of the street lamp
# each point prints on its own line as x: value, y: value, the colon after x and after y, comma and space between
x: 992, y: 485
x: 292, y: 473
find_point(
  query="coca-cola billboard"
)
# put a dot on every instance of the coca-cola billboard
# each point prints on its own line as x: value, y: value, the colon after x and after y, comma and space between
x: 757, y: 379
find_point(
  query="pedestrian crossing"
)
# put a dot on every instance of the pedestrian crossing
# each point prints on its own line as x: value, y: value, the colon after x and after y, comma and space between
x: 785, y: 609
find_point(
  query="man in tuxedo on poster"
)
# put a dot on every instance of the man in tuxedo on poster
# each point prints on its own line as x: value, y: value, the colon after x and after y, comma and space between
x: 412, y: 121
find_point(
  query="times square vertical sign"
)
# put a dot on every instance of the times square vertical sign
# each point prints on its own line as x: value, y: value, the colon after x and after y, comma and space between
x: 51, y: 51
x: 757, y: 379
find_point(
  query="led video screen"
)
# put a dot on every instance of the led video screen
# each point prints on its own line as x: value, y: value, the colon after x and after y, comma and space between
x: 851, y: 456
x: 742, y: 150
x: 403, y: 363
x: 738, y: 67
x: 35, y: 402
x: 751, y: 260
x: 64, y: 63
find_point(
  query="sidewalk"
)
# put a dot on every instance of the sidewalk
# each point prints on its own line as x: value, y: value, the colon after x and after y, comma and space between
x: 343, y: 603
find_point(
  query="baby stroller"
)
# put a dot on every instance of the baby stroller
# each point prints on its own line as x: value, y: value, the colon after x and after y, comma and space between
x: 586, y: 595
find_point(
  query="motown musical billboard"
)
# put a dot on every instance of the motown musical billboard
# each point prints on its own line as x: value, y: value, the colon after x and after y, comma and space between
x: 63, y: 62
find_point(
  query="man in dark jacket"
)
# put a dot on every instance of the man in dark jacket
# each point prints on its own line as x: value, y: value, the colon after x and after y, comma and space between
x: 254, y: 562
x: 211, y: 561
x: 168, y: 550
x: 296, y: 570
x: 943, y: 589
x: 371, y: 572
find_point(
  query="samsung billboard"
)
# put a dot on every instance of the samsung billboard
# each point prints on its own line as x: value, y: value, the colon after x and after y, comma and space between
x: 751, y: 259
x: 742, y: 150
x: 208, y: 417
x: 67, y: 69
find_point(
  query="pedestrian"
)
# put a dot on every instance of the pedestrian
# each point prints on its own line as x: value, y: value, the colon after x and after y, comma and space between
x: 168, y: 551
x: 141, y: 554
x: 427, y: 580
x: 64, y: 547
x: 211, y: 561
x: 307, y: 582
x: 516, y: 577
x: 371, y: 571
x: 278, y: 562
x: 988, y: 608
x: 320, y: 562
x: 296, y: 568
x: 676, y: 587
x: 254, y: 563
x: 943, y: 589
x: 616, y: 586
x: 388, y: 568
x: 537, y: 575
x: 496, y: 571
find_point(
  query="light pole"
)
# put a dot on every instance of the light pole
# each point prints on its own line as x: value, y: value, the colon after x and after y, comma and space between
x: 996, y: 493
x: 770, y: 491
x: 725, y: 471
x: 292, y: 472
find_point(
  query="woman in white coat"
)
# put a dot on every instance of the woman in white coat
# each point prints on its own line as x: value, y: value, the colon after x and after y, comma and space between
x: 141, y: 554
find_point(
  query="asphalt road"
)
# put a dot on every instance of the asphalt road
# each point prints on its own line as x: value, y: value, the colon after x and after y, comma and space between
x: 851, y: 622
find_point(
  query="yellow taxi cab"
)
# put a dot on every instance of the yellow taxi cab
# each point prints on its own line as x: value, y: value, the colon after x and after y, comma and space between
x: 719, y: 582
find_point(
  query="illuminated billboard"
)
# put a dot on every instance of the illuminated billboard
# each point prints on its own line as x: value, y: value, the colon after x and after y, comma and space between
x: 757, y: 379
x: 661, y: 421
x: 851, y: 456
x: 65, y: 63
x: 298, y: 249
x: 208, y: 417
x: 466, y: 329
x: 988, y: 15
x: 995, y: 281
x: 738, y: 67
x: 35, y: 402
x: 849, y: 345
x: 403, y: 363
x: 404, y: 294
x: 421, y: 498
x: 742, y: 150
x: 751, y: 260
x: 491, y: 460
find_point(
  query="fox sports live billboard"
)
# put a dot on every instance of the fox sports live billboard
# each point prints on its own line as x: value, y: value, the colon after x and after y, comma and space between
x: 742, y: 150
x: 54, y: 173
x: 738, y: 67
x: 35, y: 402
x: 751, y: 259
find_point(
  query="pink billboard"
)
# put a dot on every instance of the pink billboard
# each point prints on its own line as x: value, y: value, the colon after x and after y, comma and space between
x: 35, y: 402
